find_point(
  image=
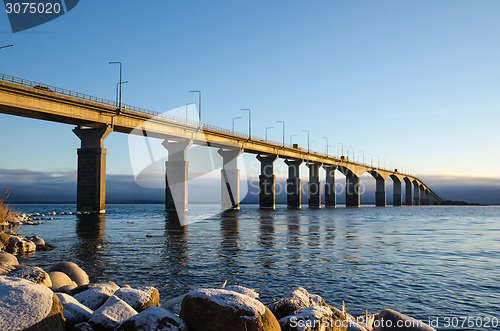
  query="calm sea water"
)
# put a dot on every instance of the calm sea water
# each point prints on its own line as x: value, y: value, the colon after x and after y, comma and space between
x: 427, y: 262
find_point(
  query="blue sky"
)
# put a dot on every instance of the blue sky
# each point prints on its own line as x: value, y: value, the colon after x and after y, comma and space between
x: 414, y: 82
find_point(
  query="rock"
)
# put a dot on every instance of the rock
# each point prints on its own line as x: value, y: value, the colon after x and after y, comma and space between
x: 74, y: 311
x: 389, y: 320
x: 85, y: 287
x: 293, y: 301
x: 59, y: 279
x: 45, y: 247
x: 19, y: 245
x: 83, y: 327
x: 352, y: 326
x: 34, y: 274
x: 94, y: 297
x: 174, y: 304
x: 314, y: 318
x: 215, y: 309
x: 140, y: 298
x: 66, y: 288
x: 242, y: 290
x: 8, y: 259
x: 111, y: 314
x: 73, y: 271
x: 6, y: 269
x: 36, y: 240
x: 25, y: 305
x: 154, y: 319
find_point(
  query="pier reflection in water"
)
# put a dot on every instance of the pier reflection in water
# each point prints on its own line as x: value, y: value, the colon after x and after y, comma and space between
x: 90, y: 244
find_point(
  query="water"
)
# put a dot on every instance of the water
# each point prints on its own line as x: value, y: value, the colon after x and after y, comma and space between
x: 428, y: 262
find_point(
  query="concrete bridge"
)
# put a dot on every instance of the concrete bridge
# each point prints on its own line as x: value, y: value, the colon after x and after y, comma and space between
x: 95, y: 118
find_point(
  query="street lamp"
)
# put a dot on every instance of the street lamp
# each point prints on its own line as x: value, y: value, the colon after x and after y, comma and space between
x: 6, y: 46
x: 293, y: 135
x: 269, y: 127
x: 282, y: 122
x: 353, y: 156
x: 363, y: 156
x: 308, y: 141
x: 312, y: 141
x: 235, y: 118
x: 199, y: 102
x: 342, y: 148
x: 117, y: 86
x: 371, y: 159
x: 326, y: 145
x: 249, y: 122
x: 120, y: 85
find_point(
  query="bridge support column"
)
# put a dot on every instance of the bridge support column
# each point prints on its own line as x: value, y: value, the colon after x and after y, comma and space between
x: 416, y: 194
x: 267, y: 198
x: 91, y: 173
x: 380, y: 195
x: 314, y: 186
x: 351, y: 190
x: 408, y: 194
x: 176, y: 177
x: 423, y: 197
x: 397, y: 195
x: 230, y: 179
x: 330, y: 192
x: 293, y: 184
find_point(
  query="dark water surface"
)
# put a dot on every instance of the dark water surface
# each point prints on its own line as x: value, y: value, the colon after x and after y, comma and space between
x: 428, y: 262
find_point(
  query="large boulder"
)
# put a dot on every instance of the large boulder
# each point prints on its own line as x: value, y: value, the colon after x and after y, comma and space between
x: 8, y: 259
x: 391, y: 320
x: 85, y: 287
x: 111, y: 314
x: 36, y: 240
x: 94, y: 297
x: 74, y: 311
x: 19, y: 245
x: 174, y: 304
x: 84, y: 326
x: 35, y: 274
x: 154, y: 319
x: 140, y: 298
x: 25, y: 305
x: 73, y: 271
x: 60, y: 280
x: 215, y: 309
x: 314, y: 318
x: 293, y: 301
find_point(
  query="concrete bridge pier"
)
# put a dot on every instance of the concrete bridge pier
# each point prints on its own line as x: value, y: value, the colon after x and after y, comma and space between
x: 293, y: 185
x: 176, y: 177
x: 408, y: 192
x: 416, y: 194
x: 351, y: 190
x: 91, y: 173
x: 330, y: 192
x: 423, y: 196
x: 230, y: 179
x: 396, y: 189
x: 267, y: 197
x: 380, y: 195
x: 314, y: 186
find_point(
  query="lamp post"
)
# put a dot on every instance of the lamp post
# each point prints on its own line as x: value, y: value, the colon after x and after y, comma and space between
x: 117, y: 86
x: 353, y: 156
x: 235, y: 118
x: 371, y: 159
x: 363, y: 156
x: 249, y: 122
x: 326, y: 145
x: 308, y: 141
x: 342, y: 148
x: 312, y: 141
x: 6, y: 46
x: 293, y: 135
x: 269, y: 127
x: 283, y: 122
x: 199, y: 102
x: 120, y: 86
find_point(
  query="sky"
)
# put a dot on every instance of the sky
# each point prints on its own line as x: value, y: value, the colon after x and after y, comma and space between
x: 412, y: 82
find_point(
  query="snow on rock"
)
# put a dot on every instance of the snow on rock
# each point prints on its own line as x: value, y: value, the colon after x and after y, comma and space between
x: 8, y: 259
x: 243, y: 290
x: 19, y: 245
x: 111, y: 314
x: 24, y: 304
x: 73, y: 271
x: 293, y: 301
x: 85, y: 287
x: 59, y: 279
x: 216, y: 309
x: 34, y: 274
x: 74, y: 311
x: 313, y: 318
x: 140, y: 298
x: 94, y: 297
x: 154, y: 318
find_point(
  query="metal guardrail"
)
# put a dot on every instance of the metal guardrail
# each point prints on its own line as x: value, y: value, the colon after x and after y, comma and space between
x: 106, y: 102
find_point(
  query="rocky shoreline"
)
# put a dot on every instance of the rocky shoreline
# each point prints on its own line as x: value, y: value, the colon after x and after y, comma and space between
x: 63, y: 298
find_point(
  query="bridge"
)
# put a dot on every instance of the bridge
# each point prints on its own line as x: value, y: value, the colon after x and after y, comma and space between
x: 95, y: 118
